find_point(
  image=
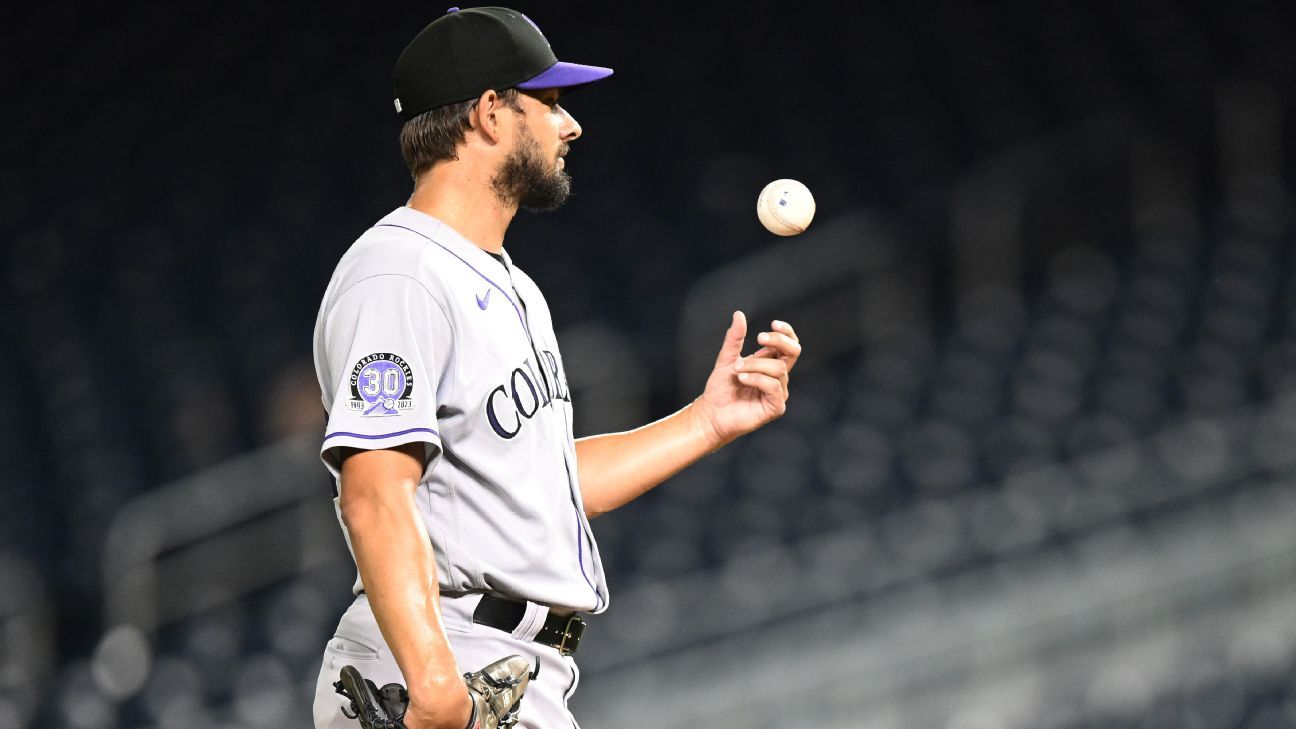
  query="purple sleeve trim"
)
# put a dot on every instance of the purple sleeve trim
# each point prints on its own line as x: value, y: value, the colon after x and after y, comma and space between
x: 384, y: 435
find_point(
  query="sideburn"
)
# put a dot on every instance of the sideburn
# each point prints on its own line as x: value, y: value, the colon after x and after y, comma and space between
x: 525, y: 180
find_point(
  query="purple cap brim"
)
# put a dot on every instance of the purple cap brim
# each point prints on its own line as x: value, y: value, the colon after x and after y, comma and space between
x: 566, y: 75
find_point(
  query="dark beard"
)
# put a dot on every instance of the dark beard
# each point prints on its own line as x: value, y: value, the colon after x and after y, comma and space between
x: 525, y: 180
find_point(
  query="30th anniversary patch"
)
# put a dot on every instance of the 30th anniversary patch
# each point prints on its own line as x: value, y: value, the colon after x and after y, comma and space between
x: 381, y: 384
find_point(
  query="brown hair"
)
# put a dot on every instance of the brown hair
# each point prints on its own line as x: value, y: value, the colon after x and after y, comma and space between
x: 435, y: 134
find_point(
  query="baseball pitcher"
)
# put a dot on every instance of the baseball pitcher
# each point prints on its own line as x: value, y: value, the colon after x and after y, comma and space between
x: 462, y: 494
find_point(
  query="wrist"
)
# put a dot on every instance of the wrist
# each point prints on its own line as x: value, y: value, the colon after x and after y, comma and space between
x: 440, y: 693
x: 703, y: 425
x: 440, y: 705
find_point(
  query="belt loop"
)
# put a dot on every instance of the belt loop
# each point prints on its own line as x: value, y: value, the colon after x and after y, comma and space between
x: 457, y: 610
x: 532, y: 621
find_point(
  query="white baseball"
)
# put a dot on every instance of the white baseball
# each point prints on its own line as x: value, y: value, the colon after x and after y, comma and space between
x: 785, y: 207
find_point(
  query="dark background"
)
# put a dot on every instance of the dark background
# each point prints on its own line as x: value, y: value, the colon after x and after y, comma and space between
x: 177, y: 182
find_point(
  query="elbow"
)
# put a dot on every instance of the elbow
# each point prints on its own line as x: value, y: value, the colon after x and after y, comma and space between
x: 357, y: 510
x: 349, y: 509
x: 363, y: 506
x: 594, y: 508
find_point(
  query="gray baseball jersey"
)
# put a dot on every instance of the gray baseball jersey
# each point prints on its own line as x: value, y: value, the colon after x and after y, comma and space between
x: 424, y: 337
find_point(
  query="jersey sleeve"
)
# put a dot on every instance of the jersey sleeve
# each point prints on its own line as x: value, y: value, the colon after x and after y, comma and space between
x: 386, y: 348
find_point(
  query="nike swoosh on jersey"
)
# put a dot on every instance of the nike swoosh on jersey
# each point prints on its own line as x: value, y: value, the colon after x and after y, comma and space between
x: 484, y: 301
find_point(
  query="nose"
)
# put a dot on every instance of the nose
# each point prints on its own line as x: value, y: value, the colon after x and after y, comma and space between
x: 571, y: 129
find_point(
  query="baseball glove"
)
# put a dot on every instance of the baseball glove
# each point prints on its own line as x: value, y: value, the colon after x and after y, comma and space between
x: 496, y: 693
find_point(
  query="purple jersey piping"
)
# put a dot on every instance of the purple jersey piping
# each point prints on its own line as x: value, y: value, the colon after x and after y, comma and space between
x: 384, y: 435
x: 521, y: 318
x: 580, y: 535
x: 580, y: 556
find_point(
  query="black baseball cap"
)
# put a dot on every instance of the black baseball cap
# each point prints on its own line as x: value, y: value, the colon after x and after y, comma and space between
x: 463, y: 53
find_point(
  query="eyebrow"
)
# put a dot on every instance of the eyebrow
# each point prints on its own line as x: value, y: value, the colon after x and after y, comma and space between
x: 548, y: 97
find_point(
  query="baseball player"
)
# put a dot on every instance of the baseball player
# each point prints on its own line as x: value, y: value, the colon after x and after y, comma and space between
x: 463, y: 496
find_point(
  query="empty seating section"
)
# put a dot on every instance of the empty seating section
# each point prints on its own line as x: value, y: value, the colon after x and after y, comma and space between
x: 182, y: 179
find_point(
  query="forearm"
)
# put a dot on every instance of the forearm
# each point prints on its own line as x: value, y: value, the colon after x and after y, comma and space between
x: 617, y: 468
x: 398, y: 570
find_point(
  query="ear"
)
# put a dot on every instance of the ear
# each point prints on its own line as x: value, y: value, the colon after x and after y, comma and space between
x: 486, y: 116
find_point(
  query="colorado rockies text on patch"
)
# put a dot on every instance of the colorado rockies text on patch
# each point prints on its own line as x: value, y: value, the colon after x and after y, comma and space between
x: 381, y: 384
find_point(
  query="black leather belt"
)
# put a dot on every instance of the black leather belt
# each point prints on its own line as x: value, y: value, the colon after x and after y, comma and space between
x: 559, y: 631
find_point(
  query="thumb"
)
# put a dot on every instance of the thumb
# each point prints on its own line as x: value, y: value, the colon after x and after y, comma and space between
x: 733, y: 341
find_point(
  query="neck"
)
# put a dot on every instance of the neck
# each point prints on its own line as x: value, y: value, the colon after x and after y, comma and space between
x: 460, y: 195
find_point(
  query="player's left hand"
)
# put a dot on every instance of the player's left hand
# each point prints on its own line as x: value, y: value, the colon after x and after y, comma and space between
x: 744, y: 393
